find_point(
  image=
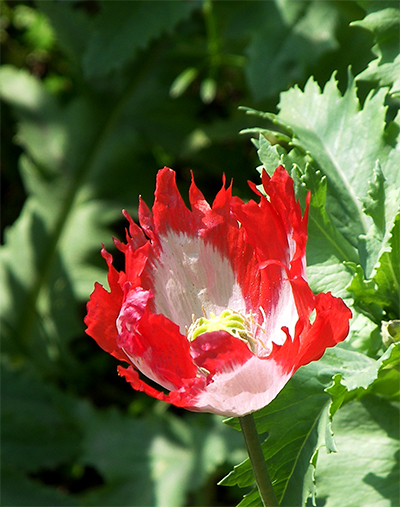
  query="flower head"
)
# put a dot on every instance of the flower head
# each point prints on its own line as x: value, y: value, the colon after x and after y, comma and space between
x: 213, y: 305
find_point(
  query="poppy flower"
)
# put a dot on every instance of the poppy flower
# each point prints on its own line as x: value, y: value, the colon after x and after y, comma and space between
x: 213, y: 305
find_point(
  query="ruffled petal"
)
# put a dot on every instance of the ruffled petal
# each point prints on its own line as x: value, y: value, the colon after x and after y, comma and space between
x: 169, y: 209
x: 215, y: 223
x: 280, y: 190
x: 330, y: 326
x: 184, y: 397
x: 102, y: 312
x: 264, y: 231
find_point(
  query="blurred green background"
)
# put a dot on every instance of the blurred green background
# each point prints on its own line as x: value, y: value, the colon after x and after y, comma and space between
x: 96, y: 97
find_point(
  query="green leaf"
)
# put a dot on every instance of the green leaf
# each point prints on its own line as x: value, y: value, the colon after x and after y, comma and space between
x: 345, y: 142
x: 46, y: 261
x: 381, y: 292
x: 38, y: 428
x: 39, y: 310
x: 298, y: 421
x: 336, y: 145
x: 385, y: 70
x: 125, y: 466
x: 382, y: 205
x: 122, y: 28
x: 208, y: 90
x: 183, y: 81
x: 327, y: 248
x: 286, y: 43
x: 167, y: 456
x: 366, y: 466
x: 365, y: 335
x: 73, y: 27
x: 37, y: 31
x: 19, y: 490
x: 364, y: 375
x: 387, y: 275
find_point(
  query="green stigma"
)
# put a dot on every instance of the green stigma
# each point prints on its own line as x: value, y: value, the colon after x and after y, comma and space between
x: 229, y: 321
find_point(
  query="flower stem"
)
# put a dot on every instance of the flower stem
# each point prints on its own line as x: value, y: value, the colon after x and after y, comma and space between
x: 257, y: 461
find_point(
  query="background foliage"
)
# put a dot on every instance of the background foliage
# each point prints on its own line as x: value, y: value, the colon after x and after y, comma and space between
x: 96, y: 97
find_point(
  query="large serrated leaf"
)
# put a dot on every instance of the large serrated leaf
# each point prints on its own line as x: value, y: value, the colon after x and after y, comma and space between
x: 345, y: 142
x: 330, y: 133
x: 382, y: 205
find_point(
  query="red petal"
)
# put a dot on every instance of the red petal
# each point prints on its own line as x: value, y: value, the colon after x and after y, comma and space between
x: 263, y: 239
x: 185, y: 397
x: 136, y: 262
x: 146, y: 221
x: 102, y: 312
x: 136, y: 237
x: 199, y: 205
x: 331, y: 326
x: 169, y: 209
x: 219, y: 351
x: 132, y: 376
x: 215, y: 224
x: 278, y: 234
x: 264, y: 229
x: 303, y: 297
x: 155, y: 345
x: 281, y: 192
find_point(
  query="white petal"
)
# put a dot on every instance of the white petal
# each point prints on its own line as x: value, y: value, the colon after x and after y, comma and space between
x: 191, y: 275
x: 246, y: 389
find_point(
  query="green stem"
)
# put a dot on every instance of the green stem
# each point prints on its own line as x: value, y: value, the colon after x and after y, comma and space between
x: 257, y: 461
